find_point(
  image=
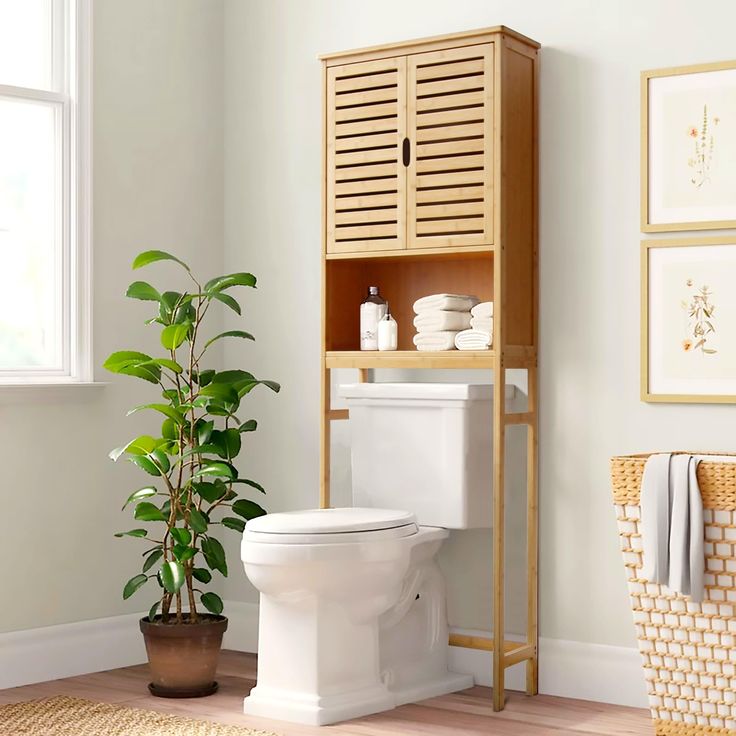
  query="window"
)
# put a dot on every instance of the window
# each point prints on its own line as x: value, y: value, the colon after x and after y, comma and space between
x: 44, y: 191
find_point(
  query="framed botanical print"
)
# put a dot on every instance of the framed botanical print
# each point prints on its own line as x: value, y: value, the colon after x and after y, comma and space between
x: 688, y: 148
x: 688, y: 331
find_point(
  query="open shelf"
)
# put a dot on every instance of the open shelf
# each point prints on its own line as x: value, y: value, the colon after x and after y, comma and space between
x: 402, y: 281
x: 409, y: 359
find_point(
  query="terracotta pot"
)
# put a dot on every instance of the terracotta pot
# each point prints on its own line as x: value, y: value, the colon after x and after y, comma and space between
x: 183, y: 657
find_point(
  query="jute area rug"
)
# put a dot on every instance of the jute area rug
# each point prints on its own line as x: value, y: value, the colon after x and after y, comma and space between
x: 62, y: 716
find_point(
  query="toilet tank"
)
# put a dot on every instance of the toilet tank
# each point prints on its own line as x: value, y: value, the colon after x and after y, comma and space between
x: 424, y: 447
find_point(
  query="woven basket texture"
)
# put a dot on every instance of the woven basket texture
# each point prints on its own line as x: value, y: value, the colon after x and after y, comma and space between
x: 688, y: 649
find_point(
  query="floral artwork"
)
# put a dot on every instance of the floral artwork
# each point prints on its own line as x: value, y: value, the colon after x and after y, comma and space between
x: 700, y: 310
x: 689, y: 320
x: 689, y: 148
x: 704, y: 146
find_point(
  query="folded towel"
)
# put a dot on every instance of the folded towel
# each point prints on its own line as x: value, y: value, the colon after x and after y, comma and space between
x: 455, y: 302
x: 433, y: 341
x: 439, y: 320
x: 484, y: 309
x: 484, y: 324
x: 473, y: 340
x: 672, y: 525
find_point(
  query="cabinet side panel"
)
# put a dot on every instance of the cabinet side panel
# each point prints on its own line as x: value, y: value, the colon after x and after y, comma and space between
x: 520, y: 197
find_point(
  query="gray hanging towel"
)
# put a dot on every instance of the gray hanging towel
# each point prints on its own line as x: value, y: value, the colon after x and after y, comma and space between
x: 672, y: 524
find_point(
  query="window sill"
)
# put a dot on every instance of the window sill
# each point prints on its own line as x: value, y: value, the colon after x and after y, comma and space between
x: 46, y: 389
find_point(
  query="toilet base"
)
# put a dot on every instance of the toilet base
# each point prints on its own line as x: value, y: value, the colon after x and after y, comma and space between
x: 316, y: 710
x: 321, y: 711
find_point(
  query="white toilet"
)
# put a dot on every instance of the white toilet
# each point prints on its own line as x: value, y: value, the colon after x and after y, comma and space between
x: 352, y: 601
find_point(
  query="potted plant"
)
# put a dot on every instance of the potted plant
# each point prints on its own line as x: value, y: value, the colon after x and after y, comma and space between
x: 192, y: 492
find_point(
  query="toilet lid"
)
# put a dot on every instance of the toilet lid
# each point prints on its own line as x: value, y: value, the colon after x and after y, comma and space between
x: 331, y: 525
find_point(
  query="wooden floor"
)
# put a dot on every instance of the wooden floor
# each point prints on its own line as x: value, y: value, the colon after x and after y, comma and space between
x: 468, y: 712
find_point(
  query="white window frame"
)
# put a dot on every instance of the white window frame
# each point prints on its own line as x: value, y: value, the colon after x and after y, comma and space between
x: 72, y: 53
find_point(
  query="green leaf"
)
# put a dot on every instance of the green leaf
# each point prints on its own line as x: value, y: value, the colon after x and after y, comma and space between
x: 230, y: 333
x: 212, y: 602
x: 210, y: 492
x: 204, y: 430
x: 250, y: 426
x: 132, y: 363
x: 151, y: 256
x: 221, y: 392
x: 184, y: 553
x: 227, y: 442
x: 152, y: 559
x: 205, y: 377
x: 168, y: 430
x: 180, y: 535
x: 214, y: 555
x: 152, y: 611
x: 133, y: 584
x: 227, y: 300
x: 221, y: 470
x: 172, y: 576
x: 140, y: 494
x: 225, y: 282
x: 145, y: 463
x: 172, y: 365
x: 248, y: 509
x: 174, y: 335
x: 161, y: 460
x: 165, y: 409
x: 146, y: 511
x: 204, y: 576
x: 133, y: 533
x: 250, y: 483
x: 232, y: 523
x: 142, y: 445
x: 144, y: 291
x: 197, y: 521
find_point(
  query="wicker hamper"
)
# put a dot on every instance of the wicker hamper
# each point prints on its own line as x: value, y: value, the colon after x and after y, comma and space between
x: 688, y: 649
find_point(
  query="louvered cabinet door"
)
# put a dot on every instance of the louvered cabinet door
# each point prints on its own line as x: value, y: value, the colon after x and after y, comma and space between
x: 450, y: 126
x: 366, y: 180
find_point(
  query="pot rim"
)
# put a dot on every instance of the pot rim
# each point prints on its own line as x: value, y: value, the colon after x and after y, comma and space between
x: 213, y: 625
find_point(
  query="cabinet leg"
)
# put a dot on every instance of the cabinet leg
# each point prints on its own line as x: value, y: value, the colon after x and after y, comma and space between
x: 532, y: 536
x: 499, y: 445
x: 324, y: 453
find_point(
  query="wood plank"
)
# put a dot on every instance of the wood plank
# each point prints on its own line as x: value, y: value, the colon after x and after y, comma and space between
x: 450, y: 68
x: 366, y: 127
x: 451, y: 86
x: 448, y: 195
x: 450, y: 163
x: 377, y: 155
x: 448, y: 117
x: 454, y: 179
x: 365, y: 81
x: 365, y: 216
x: 449, y: 210
x: 356, y: 143
x: 362, y: 232
x: 367, y: 97
x: 372, y: 171
x: 410, y: 359
x: 365, y: 202
x: 369, y: 112
x: 447, y: 102
x: 445, y: 227
x: 374, y: 186
x: 451, y: 132
x: 472, y: 145
x: 466, y: 712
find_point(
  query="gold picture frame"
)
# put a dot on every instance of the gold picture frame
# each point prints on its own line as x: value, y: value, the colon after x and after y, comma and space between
x: 699, y: 246
x: 648, y: 80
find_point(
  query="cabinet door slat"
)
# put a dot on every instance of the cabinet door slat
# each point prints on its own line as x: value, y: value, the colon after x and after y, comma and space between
x: 450, y: 121
x: 366, y: 182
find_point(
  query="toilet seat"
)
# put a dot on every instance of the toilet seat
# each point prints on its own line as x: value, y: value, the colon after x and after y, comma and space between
x: 331, y: 526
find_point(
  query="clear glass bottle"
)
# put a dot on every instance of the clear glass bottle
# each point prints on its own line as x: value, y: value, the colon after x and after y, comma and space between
x: 372, y: 311
x: 388, y: 333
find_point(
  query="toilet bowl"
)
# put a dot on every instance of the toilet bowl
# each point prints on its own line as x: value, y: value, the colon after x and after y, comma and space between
x: 352, y: 614
x: 352, y: 602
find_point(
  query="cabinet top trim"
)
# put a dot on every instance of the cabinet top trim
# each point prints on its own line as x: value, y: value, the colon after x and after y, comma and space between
x: 452, y: 39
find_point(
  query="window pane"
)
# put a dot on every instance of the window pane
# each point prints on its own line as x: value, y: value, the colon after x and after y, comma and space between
x: 26, y: 43
x: 31, y: 309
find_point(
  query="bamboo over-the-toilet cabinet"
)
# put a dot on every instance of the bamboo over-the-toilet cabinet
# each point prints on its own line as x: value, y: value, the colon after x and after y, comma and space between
x: 430, y: 185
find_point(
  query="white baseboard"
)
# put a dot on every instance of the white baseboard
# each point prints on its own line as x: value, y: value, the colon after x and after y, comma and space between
x: 567, y: 669
x: 52, y: 652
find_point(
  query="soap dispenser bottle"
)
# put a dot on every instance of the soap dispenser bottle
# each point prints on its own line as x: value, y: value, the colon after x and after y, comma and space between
x: 388, y: 333
x: 372, y: 311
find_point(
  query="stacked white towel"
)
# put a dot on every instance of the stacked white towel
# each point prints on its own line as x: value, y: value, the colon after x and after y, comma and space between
x: 480, y: 334
x: 439, y: 318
